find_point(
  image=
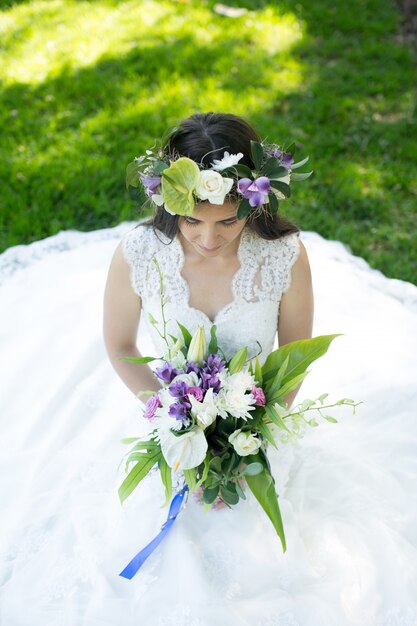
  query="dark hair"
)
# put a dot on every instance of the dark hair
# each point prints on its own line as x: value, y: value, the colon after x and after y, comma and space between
x: 204, y: 137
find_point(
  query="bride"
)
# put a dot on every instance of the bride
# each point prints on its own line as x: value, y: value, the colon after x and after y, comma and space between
x: 346, y: 490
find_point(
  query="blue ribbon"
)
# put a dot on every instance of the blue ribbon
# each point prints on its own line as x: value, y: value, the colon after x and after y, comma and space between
x: 138, y: 560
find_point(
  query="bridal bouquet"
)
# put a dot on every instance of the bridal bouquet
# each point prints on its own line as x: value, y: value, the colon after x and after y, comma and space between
x: 213, y: 419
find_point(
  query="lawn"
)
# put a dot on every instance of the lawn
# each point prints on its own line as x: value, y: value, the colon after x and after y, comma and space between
x: 87, y: 85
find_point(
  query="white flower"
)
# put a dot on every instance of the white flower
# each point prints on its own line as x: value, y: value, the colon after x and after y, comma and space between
x: 233, y: 398
x: 198, y: 346
x: 228, y: 160
x: 185, y: 451
x: 190, y: 379
x: 205, y: 412
x: 213, y: 187
x: 244, y: 443
x: 284, y: 179
x: 157, y: 199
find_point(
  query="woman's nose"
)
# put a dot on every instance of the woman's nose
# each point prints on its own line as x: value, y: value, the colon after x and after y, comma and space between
x: 209, y: 237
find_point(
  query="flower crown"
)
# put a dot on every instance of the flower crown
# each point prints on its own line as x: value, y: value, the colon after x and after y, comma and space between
x: 175, y: 182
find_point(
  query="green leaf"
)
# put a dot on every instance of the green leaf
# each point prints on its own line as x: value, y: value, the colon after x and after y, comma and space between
x: 301, y: 354
x: 244, y: 209
x: 209, y: 495
x: 272, y: 169
x: 178, y: 183
x: 216, y: 464
x: 295, y: 166
x: 159, y: 167
x: 243, y: 171
x: 329, y: 418
x: 301, y: 175
x: 282, y: 187
x: 275, y: 417
x: 289, y: 386
x: 138, y: 472
x: 228, y: 496
x: 191, y: 479
x: 240, y: 491
x: 273, y: 202
x: 212, y: 349
x: 263, y: 488
x: 257, y: 152
x: 276, y: 383
x: 166, y: 476
x: 132, y: 175
x: 322, y: 398
x: 186, y: 334
x: 266, y: 433
x: 205, y: 471
x: 238, y: 361
x: 137, y: 359
x: 252, y: 469
x: 258, y: 373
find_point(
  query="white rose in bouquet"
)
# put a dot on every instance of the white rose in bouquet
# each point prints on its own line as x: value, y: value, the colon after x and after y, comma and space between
x: 244, y: 442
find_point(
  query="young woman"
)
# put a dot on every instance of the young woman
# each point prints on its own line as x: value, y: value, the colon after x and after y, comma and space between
x: 250, y: 276
x: 346, y: 491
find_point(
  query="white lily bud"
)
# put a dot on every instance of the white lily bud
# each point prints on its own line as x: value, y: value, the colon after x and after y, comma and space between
x: 198, y: 346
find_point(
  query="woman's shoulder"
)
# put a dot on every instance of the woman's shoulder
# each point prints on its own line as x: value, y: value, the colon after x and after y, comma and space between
x: 141, y: 242
x: 288, y: 246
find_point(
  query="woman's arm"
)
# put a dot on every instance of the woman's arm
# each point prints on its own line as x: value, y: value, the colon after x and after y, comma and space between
x: 121, y: 315
x: 296, y: 308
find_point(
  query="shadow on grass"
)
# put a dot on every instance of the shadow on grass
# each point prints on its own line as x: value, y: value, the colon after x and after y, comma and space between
x: 81, y: 128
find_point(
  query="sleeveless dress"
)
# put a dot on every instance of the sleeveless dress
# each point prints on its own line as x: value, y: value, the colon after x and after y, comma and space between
x: 347, y: 491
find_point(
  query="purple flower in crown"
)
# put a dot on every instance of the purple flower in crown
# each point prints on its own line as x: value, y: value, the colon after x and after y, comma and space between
x: 179, y: 410
x: 151, y: 183
x: 166, y: 372
x: 286, y: 158
x: 256, y: 191
x: 178, y: 389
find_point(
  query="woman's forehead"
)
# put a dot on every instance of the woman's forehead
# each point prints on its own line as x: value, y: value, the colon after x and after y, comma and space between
x: 207, y: 212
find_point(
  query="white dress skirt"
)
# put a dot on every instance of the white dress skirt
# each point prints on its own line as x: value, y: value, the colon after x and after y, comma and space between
x: 347, y: 491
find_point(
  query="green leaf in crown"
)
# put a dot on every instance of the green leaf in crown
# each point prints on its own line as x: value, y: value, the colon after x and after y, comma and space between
x: 178, y: 183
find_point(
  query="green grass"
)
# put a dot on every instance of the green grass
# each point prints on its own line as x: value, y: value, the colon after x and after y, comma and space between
x: 87, y: 85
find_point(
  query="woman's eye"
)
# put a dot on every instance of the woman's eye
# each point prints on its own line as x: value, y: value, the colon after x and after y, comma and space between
x: 190, y: 222
x: 230, y: 223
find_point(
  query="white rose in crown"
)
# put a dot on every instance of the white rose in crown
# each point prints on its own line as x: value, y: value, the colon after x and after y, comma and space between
x: 213, y: 187
x: 244, y: 443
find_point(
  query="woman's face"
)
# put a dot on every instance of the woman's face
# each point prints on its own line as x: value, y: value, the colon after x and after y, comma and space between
x: 213, y: 229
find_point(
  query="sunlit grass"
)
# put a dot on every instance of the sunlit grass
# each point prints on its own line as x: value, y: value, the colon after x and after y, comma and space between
x: 87, y: 85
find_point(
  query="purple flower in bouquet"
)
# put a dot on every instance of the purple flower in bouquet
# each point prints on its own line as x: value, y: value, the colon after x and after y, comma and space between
x: 178, y: 389
x: 179, y: 410
x: 258, y: 394
x: 214, y: 364
x: 256, y: 191
x: 166, y: 372
x: 192, y: 367
x: 196, y: 392
x: 151, y: 183
x: 209, y: 380
x: 151, y: 406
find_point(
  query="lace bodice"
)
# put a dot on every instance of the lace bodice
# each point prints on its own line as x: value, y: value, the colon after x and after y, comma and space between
x: 250, y: 319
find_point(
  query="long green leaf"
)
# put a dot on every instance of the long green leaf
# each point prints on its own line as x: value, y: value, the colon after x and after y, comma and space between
x: 186, y: 334
x: 166, y: 476
x: 289, y: 386
x: 205, y: 470
x: 238, y: 361
x: 276, y: 382
x: 139, y: 471
x: 275, y: 418
x: 137, y: 359
x: 257, y: 153
x: 301, y: 354
x: 190, y: 477
x: 258, y: 373
x: 212, y: 349
x: 266, y: 433
x: 263, y: 488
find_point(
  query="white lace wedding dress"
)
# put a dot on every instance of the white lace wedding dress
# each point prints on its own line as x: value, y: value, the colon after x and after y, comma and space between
x: 347, y: 491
